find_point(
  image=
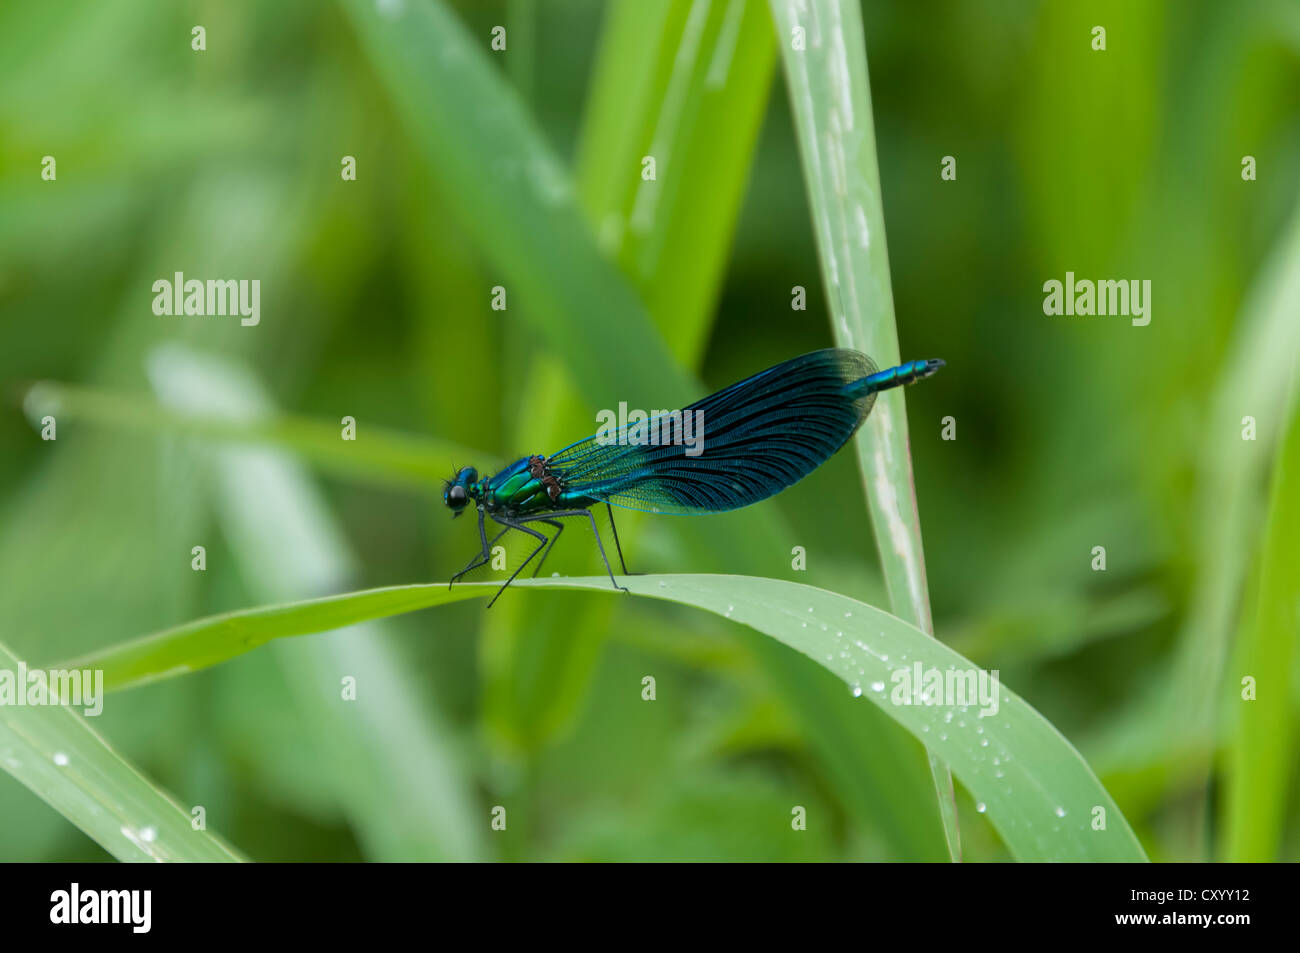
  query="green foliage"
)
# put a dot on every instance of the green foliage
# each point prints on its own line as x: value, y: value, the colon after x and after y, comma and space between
x: 521, y: 168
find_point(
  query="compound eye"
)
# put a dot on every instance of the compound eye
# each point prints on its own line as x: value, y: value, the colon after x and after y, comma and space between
x: 456, y: 497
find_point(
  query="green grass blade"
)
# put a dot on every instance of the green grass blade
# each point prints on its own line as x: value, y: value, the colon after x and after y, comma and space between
x: 1256, y: 382
x: 54, y: 752
x: 831, y: 98
x: 687, y: 84
x: 204, y: 642
x: 379, y: 455
x: 496, y: 171
x: 1038, y: 791
x: 1262, y: 758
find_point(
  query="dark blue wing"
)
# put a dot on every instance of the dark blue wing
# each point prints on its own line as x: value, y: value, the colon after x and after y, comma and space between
x: 759, y: 436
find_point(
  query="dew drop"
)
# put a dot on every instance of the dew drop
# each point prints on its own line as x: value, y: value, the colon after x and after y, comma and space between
x: 1060, y: 812
x: 981, y: 807
x: 877, y: 687
x: 60, y: 759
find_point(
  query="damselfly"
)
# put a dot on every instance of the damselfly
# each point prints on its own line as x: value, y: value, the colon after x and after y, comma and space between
x: 754, y: 439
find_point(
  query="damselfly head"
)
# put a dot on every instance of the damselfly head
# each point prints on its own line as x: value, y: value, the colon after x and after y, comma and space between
x: 456, y: 492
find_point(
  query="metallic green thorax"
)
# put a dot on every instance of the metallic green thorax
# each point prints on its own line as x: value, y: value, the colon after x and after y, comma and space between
x: 522, y: 489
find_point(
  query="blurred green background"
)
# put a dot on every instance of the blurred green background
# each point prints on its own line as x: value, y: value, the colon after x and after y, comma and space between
x: 521, y: 168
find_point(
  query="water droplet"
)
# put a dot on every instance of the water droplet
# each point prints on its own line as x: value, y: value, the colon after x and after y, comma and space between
x: 984, y: 742
x: 877, y: 687
x: 60, y: 759
x: 1060, y: 812
x: 981, y: 807
x: 857, y: 690
x: 848, y: 615
x: 149, y: 834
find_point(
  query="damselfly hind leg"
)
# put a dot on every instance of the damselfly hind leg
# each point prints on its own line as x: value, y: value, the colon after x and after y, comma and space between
x: 561, y: 514
x: 550, y: 520
x: 617, y: 546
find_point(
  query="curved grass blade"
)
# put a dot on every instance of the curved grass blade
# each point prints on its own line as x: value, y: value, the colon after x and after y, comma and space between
x: 824, y: 49
x: 1038, y: 791
x: 55, y: 753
